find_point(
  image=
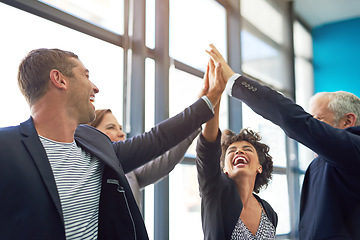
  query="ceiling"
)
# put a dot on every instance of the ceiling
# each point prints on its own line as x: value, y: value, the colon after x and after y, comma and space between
x: 315, y: 13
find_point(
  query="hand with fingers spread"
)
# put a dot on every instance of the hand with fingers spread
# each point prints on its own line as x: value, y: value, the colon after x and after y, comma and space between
x: 217, y: 83
x: 215, y: 55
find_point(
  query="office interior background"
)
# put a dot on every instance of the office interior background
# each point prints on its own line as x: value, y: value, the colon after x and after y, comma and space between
x: 148, y: 58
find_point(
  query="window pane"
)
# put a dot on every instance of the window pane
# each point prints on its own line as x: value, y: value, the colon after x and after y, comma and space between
x: 149, y: 210
x: 262, y: 60
x: 105, y: 62
x: 277, y: 196
x: 302, y: 42
x: 149, y: 94
x: 304, y: 81
x: 304, y: 77
x: 149, y: 123
x: 271, y: 134
x: 305, y: 157
x: 264, y: 17
x: 184, y: 204
x: 108, y: 14
x: 150, y: 23
x: 184, y: 91
x: 193, y: 28
x: 182, y: 96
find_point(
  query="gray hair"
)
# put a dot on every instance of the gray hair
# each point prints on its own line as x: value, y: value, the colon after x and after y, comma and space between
x: 341, y: 103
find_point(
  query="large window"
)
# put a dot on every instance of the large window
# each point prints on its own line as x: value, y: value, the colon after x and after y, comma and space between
x: 104, y: 60
x: 123, y: 45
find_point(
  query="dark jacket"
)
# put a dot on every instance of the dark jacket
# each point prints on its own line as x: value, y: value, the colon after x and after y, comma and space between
x: 221, y: 204
x: 330, y: 198
x: 29, y: 201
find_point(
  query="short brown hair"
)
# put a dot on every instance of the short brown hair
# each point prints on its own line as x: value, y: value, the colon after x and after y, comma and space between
x: 229, y: 137
x: 34, y: 71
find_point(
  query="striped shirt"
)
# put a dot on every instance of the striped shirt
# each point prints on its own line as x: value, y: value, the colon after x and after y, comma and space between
x: 78, y: 179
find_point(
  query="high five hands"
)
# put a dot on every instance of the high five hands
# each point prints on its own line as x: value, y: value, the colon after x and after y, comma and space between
x: 214, y: 84
x: 216, y: 76
x: 215, y: 55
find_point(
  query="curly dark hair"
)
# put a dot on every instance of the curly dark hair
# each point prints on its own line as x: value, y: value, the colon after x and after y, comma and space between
x: 229, y: 137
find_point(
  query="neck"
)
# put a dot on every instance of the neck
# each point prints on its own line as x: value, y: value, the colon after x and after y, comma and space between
x: 53, y: 123
x: 245, y: 186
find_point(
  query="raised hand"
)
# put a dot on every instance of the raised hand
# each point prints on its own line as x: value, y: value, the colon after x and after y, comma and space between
x: 205, y: 88
x: 217, y: 83
x: 215, y: 55
x: 214, y: 81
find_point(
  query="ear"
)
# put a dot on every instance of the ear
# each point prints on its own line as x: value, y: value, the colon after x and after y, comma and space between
x: 349, y: 120
x: 259, y: 169
x: 58, y: 79
x: 225, y: 171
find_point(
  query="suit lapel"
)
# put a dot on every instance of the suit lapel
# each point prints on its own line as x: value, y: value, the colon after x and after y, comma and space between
x: 99, y: 145
x: 37, y: 152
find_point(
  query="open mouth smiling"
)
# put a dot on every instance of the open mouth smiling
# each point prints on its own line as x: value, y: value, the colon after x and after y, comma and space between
x: 240, y: 161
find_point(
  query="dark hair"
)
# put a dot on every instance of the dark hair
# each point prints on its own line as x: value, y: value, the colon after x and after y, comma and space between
x: 99, y: 115
x: 34, y: 71
x: 229, y: 137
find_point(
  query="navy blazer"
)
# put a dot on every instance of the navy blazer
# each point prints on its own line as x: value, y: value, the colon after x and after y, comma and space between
x: 30, y: 206
x: 221, y: 204
x: 330, y: 199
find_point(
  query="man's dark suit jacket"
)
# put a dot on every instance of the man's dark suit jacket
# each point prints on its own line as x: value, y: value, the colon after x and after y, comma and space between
x: 330, y: 199
x: 30, y: 207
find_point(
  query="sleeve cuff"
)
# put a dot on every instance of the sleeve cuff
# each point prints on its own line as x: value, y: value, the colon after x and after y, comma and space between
x: 230, y: 83
x: 208, y: 102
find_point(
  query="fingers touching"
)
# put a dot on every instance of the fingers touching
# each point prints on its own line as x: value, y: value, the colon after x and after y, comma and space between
x: 215, y: 55
x: 216, y: 76
x: 205, y: 88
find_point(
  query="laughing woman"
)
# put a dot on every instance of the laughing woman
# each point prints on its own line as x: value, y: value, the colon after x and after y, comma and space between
x: 230, y: 209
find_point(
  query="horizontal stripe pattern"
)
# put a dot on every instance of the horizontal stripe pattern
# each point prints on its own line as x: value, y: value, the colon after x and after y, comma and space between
x: 78, y: 179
